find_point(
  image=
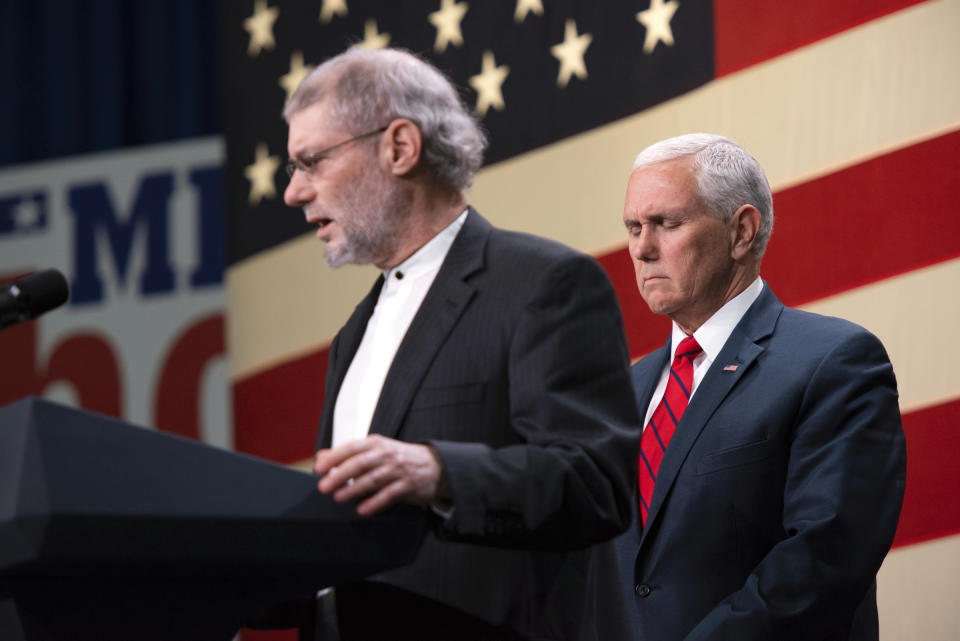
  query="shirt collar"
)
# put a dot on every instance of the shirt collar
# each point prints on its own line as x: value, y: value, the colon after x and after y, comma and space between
x: 713, y: 334
x: 429, y: 257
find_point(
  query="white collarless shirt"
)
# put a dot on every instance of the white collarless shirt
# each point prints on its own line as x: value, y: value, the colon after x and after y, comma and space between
x: 711, y: 336
x: 404, y: 288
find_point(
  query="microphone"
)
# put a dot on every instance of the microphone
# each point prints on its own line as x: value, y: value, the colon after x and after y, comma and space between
x: 32, y: 295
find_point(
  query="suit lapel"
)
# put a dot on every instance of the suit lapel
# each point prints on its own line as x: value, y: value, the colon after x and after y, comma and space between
x: 343, y: 348
x: 646, y: 374
x: 741, y: 349
x: 443, y: 305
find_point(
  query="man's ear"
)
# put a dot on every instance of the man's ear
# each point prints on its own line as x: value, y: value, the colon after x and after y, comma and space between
x: 402, y: 147
x: 744, y: 225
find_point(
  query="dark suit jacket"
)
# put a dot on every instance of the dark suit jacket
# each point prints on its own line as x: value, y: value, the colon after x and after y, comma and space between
x: 515, y: 368
x: 779, y: 494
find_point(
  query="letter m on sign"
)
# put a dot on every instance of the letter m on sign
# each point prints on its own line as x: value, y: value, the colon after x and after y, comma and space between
x: 93, y: 210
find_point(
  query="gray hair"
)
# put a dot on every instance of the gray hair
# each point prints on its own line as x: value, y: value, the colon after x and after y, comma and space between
x: 371, y: 87
x: 727, y: 177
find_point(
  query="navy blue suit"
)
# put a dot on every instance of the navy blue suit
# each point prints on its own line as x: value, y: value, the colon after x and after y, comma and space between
x: 778, y: 496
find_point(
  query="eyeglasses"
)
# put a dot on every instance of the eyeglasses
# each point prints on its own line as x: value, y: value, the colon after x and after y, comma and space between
x: 308, y: 164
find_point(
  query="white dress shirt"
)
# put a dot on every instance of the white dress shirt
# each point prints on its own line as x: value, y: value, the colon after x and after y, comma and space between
x: 403, y: 291
x: 711, y: 336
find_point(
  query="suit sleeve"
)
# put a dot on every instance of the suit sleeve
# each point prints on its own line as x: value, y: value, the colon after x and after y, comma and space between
x: 842, y: 498
x: 567, y: 482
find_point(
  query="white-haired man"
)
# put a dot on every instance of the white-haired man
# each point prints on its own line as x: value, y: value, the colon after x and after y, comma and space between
x: 772, y: 460
x: 484, y: 377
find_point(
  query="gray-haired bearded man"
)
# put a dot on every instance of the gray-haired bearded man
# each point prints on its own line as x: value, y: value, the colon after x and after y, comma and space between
x: 484, y: 377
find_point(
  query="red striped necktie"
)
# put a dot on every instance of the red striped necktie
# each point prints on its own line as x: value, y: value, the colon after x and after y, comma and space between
x: 656, y: 437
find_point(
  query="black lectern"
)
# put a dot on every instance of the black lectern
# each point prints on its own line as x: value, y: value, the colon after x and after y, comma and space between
x: 109, y: 531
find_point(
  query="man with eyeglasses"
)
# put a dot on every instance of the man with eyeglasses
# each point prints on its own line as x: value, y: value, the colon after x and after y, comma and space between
x: 484, y: 377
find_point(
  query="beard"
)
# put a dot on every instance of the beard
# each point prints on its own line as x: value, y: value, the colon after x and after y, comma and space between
x: 371, y: 214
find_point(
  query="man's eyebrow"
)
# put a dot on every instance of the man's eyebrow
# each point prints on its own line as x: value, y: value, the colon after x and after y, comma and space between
x: 656, y: 219
x: 306, y: 158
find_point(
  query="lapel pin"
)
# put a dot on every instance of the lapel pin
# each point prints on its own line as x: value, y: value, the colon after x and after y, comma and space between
x: 730, y: 368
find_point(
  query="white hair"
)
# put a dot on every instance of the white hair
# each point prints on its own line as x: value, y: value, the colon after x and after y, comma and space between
x: 372, y: 87
x: 727, y: 177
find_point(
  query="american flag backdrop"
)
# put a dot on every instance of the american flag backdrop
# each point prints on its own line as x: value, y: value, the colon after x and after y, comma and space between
x: 851, y: 106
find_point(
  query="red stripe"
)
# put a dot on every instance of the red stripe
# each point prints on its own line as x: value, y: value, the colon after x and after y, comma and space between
x: 276, y: 412
x: 747, y: 32
x: 886, y: 216
x: 930, y: 508
x: 883, y: 217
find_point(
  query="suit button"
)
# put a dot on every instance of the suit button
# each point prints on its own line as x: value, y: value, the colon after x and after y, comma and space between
x: 642, y: 589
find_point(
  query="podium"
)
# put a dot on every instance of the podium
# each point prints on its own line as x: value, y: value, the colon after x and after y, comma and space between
x: 110, y: 531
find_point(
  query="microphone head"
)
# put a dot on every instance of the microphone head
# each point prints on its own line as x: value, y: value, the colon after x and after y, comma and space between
x: 42, y: 291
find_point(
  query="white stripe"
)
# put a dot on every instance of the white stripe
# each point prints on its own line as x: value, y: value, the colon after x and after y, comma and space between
x: 917, y: 589
x: 286, y: 303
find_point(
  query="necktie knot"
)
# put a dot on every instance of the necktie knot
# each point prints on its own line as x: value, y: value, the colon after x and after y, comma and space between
x: 688, y: 347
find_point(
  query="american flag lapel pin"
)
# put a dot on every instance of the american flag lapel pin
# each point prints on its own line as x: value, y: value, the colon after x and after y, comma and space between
x: 730, y: 368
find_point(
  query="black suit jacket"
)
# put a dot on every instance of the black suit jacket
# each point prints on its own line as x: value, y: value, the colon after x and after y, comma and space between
x: 779, y: 493
x: 515, y: 368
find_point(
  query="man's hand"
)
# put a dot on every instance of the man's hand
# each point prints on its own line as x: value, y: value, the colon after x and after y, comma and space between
x: 382, y: 469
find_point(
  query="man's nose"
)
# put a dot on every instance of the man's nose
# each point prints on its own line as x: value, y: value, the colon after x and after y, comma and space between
x: 644, y: 245
x: 299, y: 191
